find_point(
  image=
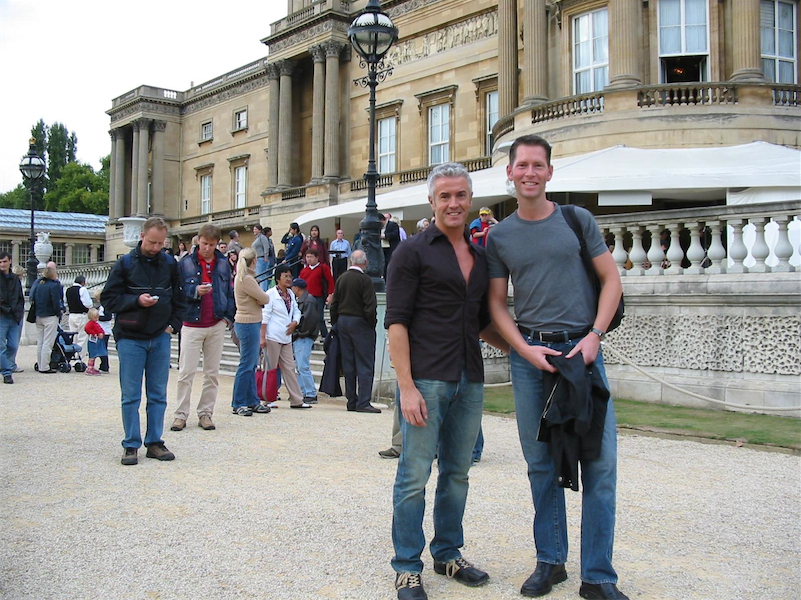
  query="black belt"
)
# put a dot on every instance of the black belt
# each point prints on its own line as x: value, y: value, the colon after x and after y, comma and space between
x: 552, y: 336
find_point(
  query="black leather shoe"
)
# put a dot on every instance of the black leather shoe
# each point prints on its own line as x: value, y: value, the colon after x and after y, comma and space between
x: 462, y: 571
x: 410, y: 587
x: 601, y: 591
x: 542, y: 580
x: 368, y: 409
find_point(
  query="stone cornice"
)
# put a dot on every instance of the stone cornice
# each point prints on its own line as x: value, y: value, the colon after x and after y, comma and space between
x: 143, y: 105
x: 225, y: 93
x: 309, y: 30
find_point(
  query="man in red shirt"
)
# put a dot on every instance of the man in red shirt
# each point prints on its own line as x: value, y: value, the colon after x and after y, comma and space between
x: 320, y: 284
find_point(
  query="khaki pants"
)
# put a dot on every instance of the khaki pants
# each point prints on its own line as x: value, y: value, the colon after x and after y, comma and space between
x: 76, y: 322
x: 210, y: 341
x: 47, y: 328
x: 280, y: 355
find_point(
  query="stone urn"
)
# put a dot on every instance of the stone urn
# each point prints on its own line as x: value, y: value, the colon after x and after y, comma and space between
x: 43, y: 249
x: 132, y: 230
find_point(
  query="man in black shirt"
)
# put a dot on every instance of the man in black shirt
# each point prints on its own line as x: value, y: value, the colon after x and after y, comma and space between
x: 436, y: 310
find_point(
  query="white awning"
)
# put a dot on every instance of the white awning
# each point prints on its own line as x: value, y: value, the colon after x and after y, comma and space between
x: 687, y: 173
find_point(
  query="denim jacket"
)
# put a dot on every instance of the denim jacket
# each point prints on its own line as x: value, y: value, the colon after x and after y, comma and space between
x: 222, y: 289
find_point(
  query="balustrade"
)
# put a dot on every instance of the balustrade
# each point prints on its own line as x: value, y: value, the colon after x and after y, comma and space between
x: 699, y: 238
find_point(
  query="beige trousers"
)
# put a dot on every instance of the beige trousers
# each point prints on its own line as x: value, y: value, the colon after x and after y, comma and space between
x: 280, y: 355
x: 76, y: 323
x: 47, y: 328
x: 195, y: 340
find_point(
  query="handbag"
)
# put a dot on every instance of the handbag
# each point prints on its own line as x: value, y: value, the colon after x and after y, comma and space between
x: 266, y: 381
x: 31, y: 318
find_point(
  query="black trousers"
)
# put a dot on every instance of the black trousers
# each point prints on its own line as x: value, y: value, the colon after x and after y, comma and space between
x: 339, y: 266
x: 357, y: 349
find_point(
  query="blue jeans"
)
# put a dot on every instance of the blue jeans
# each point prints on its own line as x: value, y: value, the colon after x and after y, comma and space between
x: 151, y: 359
x: 598, y: 478
x: 478, y: 449
x: 262, y: 267
x: 10, y: 330
x: 245, y: 393
x: 454, y: 418
x: 303, y: 349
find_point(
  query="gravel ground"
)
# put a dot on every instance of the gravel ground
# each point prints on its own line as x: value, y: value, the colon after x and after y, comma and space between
x: 297, y: 505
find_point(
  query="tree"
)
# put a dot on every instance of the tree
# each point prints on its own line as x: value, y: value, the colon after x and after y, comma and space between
x: 61, y: 149
x: 80, y: 189
x: 16, y: 198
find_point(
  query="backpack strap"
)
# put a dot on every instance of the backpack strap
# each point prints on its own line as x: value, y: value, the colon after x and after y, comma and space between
x: 569, y: 213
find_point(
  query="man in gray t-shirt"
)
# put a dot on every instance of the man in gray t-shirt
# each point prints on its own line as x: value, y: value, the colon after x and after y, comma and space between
x: 557, y: 313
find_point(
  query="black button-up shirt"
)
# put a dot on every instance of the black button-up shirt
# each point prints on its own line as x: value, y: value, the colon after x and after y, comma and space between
x: 426, y: 292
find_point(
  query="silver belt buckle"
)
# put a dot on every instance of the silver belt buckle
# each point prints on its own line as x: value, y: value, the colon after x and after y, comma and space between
x: 541, y: 333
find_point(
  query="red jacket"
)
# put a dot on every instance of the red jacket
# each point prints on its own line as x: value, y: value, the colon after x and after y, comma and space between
x: 314, y: 279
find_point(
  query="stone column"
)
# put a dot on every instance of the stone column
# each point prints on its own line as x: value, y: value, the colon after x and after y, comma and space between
x: 507, y: 56
x: 285, y: 110
x: 318, y: 113
x: 144, y: 147
x: 332, y: 105
x: 157, y: 183
x: 625, y: 18
x: 119, y: 178
x: 68, y: 250
x: 272, y: 126
x: 112, y: 176
x: 535, y: 47
x: 93, y: 253
x: 747, y: 50
x: 134, y: 169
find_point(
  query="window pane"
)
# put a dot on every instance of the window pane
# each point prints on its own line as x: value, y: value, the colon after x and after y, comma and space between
x: 786, y: 44
x: 599, y: 50
x: 446, y: 125
x: 601, y: 78
x: 769, y: 69
x: 434, y: 116
x: 582, y: 28
x: 583, y: 82
x: 696, y: 39
x: 670, y: 41
x: 785, y: 15
x: 768, y: 41
x: 669, y: 13
x: 600, y: 23
x: 766, y: 13
x: 695, y: 12
x: 786, y: 72
x: 436, y: 155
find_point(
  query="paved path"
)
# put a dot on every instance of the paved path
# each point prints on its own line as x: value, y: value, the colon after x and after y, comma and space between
x: 297, y: 505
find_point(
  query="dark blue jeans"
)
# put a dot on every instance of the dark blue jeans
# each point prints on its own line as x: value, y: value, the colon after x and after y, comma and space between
x: 598, y: 478
x: 245, y: 393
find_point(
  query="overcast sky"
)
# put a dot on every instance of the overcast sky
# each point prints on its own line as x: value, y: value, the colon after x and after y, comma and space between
x: 63, y: 60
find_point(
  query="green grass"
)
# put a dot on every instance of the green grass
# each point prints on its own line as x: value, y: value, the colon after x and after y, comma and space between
x: 713, y: 424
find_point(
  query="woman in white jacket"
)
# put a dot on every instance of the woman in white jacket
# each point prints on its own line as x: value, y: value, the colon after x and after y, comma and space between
x: 279, y: 319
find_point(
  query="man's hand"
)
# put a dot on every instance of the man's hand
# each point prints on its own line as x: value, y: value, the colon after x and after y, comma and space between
x: 536, y: 355
x: 203, y: 289
x: 291, y: 329
x: 588, y: 346
x: 329, y: 298
x: 169, y: 330
x: 413, y: 407
x: 146, y: 300
x: 263, y: 342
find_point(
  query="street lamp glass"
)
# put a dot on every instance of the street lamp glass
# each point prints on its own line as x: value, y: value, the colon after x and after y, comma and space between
x: 372, y: 34
x: 32, y: 167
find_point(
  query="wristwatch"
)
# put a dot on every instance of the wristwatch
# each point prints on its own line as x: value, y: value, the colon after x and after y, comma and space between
x: 598, y: 332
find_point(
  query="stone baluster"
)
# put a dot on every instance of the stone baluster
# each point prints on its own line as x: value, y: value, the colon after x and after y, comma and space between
x: 737, y: 249
x: 318, y: 113
x: 286, y: 109
x: 716, y: 252
x: 507, y: 56
x: 760, y: 250
x: 619, y: 254
x: 783, y: 249
x: 332, y: 109
x: 674, y: 254
x: 695, y: 253
x: 655, y: 253
x: 273, y: 75
x: 637, y: 253
x: 134, y: 169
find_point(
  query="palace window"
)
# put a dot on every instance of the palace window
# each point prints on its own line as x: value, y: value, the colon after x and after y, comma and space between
x: 206, y: 132
x: 240, y: 119
x: 491, y: 104
x: 59, y: 254
x: 777, y: 22
x: 591, y: 51
x: 240, y: 187
x: 386, y: 145
x: 439, y: 134
x: 205, y: 194
x: 683, y: 41
x: 80, y: 254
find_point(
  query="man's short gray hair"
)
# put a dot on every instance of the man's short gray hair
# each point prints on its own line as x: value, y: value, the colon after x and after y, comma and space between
x: 451, y: 169
x: 358, y: 258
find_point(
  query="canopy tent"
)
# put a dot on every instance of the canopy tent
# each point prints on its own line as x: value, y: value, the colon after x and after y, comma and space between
x: 622, y: 175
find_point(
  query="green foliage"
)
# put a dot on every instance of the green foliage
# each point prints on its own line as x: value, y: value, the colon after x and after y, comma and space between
x: 61, y: 148
x: 16, y: 198
x: 79, y: 189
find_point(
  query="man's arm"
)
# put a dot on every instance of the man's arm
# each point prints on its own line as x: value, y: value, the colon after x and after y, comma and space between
x: 608, y: 301
x: 491, y: 335
x: 178, y: 297
x: 412, y: 403
x: 508, y: 328
x: 114, y: 296
x: 85, y: 298
x: 333, y: 308
x: 329, y: 278
x: 370, y: 304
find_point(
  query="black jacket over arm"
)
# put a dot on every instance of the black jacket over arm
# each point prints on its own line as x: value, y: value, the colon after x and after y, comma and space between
x: 12, y: 302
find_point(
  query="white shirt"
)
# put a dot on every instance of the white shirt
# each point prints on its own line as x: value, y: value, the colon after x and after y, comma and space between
x: 83, y: 296
x: 276, y: 317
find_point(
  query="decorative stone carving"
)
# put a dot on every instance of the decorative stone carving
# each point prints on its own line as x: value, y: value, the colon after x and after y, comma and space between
x: 297, y: 39
x: 318, y: 53
x: 226, y: 94
x: 43, y: 249
x: 272, y: 71
x: 407, y: 7
x: 730, y: 343
x: 159, y: 125
x: 151, y: 107
x: 333, y: 49
x: 132, y: 228
x: 459, y: 34
x: 287, y: 67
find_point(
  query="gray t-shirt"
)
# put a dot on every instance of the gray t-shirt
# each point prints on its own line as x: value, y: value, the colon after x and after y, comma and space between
x: 551, y: 289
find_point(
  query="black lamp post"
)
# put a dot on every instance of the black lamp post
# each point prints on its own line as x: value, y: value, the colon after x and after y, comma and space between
x: 33, y: 169
x: 372, y: 34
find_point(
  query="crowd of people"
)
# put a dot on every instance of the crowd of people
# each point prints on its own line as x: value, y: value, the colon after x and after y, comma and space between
x: 447, y: 289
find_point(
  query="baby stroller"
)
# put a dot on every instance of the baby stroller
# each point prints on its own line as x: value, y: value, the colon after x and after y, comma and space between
x: 64, y: 351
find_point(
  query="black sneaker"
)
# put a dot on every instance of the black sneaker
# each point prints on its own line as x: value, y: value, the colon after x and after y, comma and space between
x: 310, y: 399
x: 159, y: 451
x: 130, y: 456
x: 260, y: 408
x: 462, y: 571
x: 8, y: 379
x: 242, y: 411
x: 410, y: 586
